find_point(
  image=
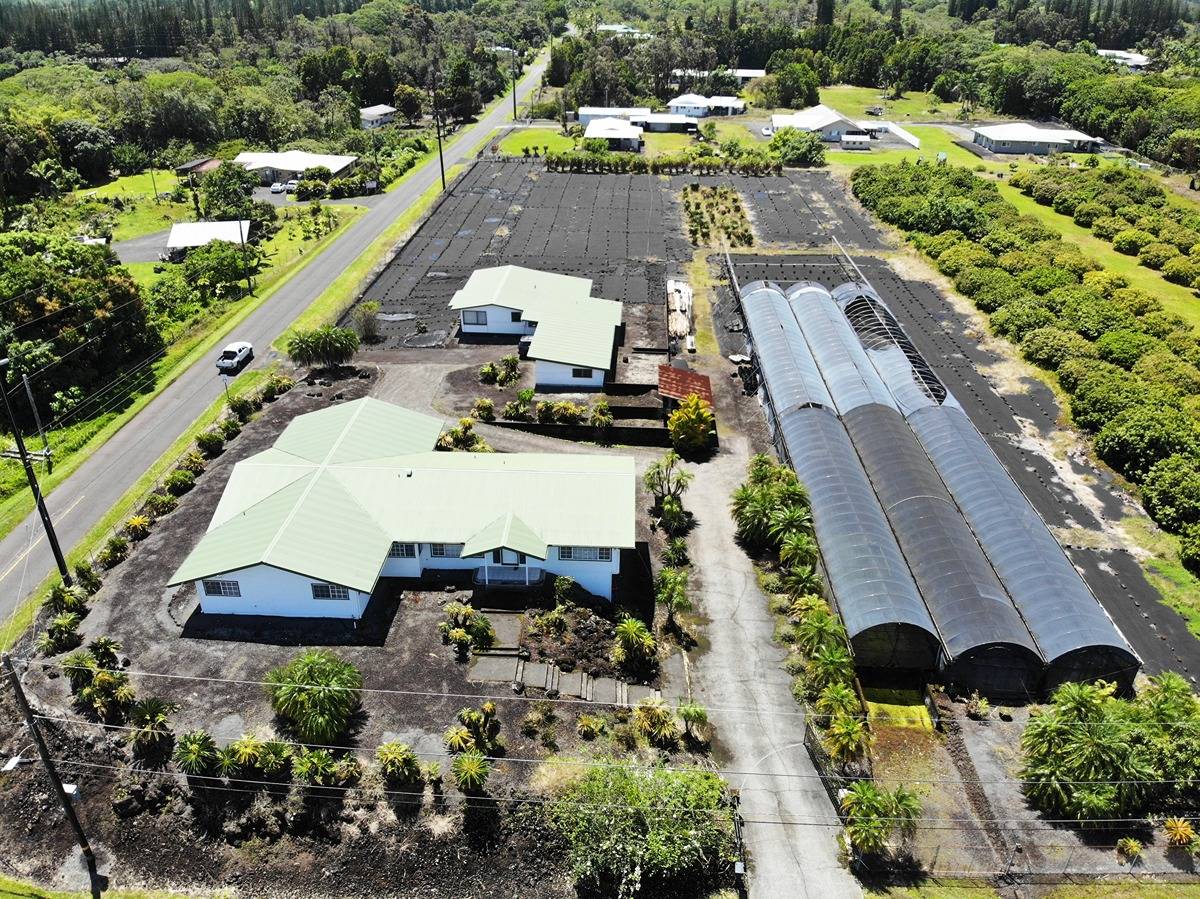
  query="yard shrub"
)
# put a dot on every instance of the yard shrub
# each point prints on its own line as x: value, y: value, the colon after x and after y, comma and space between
x: 1044, y: 278
x: 509, y: 370
x: 1166, y: 370
x: 210, y: 443
x: 1101, y: 396
x: 398, y: 764
x: 241, y: 407
x: 1089, y: 314
x: 62, y: 598
x: 1018, y: 318
x: 1189, y: 549
x: 1124, y: 347
x: 315, y: 694
x: 1183, y: 270
x: 1105, y: 283
x: 276, y: 386
x: 1137, y: 438
x: 137, y: 527
x: 159, y: 504
x: 196, y: 753
x: 692, y: 425
x: 230, y: 428
x: 665, y: 831
x: 488, y: 373
x: 634, y: 647
x: 463, y: 439
x: 193, y: 463
x: 963, y: 256
x: 1087, y: 212
x: 1131, y: 240
x: 1171, y: 492
x: 1050, y: 347
x: 475, y: 627
x: 87, y: 578
x: 1156, y: 255
x: 470, y: 771
x: 484, y: 409
x: 179, y: 482
x: 113, y: 553
x: 61, y: 634
x: 600, y: 415
x: 1107, y: 227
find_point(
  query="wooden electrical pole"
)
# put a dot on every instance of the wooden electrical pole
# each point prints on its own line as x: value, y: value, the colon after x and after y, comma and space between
x: 47, y: 761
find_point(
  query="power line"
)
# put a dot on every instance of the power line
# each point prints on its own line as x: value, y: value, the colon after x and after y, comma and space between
x: 724, y: 772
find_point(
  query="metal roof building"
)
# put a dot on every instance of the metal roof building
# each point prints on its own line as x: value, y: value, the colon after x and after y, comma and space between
x: 189, y: 235
x: 925, y: 537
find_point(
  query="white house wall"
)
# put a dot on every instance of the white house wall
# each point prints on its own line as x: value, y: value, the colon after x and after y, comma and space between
x: 555, y: 374
x: 595, y: 577
x: 272, y: 591
x: 499, y: 321
x: 697, y: 112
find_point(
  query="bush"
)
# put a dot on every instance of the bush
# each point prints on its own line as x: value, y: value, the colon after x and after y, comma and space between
x: 210, y: 443
x: 488, y: 373
x: 1087, y: 212
x: 665, y: 830
x: 193, y: 463
x: 324, y: 347
x: 1051, y: 347
x: 179, y: 482
x: 1105, y: 283
x: 1131, y: 240
x: 996, y: 296
x: 114, y: 552
x: 1109, y: 226
x: 1146, y: 434
x: 1160, y: 324
x: 1075, y: 371
x: 229, y: 428
x: 1171, y: 492
x: 1045, y: 278
x: 962, y: 256
x: 1164, y: 369
x: 1018, y: 318
x: 1091, y: 316
x: 973, y: 279
x: 794, y: 147
x: 1099, y: 398
x: 1189, y: 549
x: 1182, y: 270
x: 242, y: 407
x: 1124, y: 347
x: 484, y: 409
x: 87, y: 578
x: 137, y: 527
x: 315, y: 694
x: 1156, y: 255
x: 692, y: 425
x: 276, y: 385
x: 159, y: 504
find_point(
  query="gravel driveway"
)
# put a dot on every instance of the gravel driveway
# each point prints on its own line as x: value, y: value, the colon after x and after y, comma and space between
x: 759, y: 724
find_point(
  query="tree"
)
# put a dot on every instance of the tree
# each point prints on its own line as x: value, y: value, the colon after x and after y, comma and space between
x: 633, y: 645
x: 665, y: 477
x: 195, y: 753
x: 692, y: 425
x: 794, y: 147
x: 798, y: 85
x: 225, y: 192
x: 693, y: 716
x: 326, y: 346
x: 819, y: 629
x: 315, y: 693
x: 671, y: 592
x: 148, y: 724
x: 410, y: 102
x: 1171, y: 492
x: 847, y: 738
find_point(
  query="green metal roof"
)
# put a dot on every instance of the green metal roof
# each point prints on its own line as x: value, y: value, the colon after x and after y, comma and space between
x: 506, y: 532
x: 573, y: 327
x: 357, y: 476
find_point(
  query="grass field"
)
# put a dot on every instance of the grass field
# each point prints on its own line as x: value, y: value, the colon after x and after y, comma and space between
x: 914, y: 106
x: 141, y: 214
x: 934, y: 140
x: 660, y: 143
x: 517, y: 141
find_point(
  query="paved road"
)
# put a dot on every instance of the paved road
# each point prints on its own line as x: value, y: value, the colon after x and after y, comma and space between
x: 84, y: 497
x: 791, y: 825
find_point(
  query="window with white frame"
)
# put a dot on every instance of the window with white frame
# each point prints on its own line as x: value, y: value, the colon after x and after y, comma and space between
x: 403, y: 551
x: 474, y: 316
x: 585, y: 553
x: 581, y: 373
x: 330, y: 591
x: 222, y: 588
x: 445, y: 550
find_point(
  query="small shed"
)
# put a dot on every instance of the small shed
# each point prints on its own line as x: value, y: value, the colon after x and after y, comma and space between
x: 186, y: 236
x: 675, y: 384
x: 372, y: 117
x: 618, y: 133
x: 198, y: 166
x: 856, y: 140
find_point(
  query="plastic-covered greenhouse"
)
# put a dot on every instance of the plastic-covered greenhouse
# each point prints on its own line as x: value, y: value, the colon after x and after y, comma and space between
x: 936, y: 559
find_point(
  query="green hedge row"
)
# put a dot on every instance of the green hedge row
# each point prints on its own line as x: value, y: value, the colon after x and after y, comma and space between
x: 1131, y: 369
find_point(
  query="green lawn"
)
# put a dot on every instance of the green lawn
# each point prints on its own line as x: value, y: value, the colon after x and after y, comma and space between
x: 934, y: 140
x: 913, y: 106
x: 739, y: 131
x: 517, y: 141
x: 134, y: 185
x: 141, y: 215
x: 662, y: 143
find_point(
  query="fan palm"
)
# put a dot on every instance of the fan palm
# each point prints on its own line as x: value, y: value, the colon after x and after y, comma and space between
x: 798, y: 548
x: 818, y: 629
x: 148, y: 720
x: 800, y: 580
x: 847, y: 738
x: 790, y: 519
x: 195, y: 753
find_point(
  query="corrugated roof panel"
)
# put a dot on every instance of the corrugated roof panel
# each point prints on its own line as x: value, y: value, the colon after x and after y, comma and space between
x: 789, y: 372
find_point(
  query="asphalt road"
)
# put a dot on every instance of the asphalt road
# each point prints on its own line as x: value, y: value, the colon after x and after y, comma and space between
x: 83, y: 498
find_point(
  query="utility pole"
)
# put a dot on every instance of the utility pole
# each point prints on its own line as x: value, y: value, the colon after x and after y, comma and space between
x: 47, y: 762
x: 153, y: 185
x: 437, y: 120
x: 51, y: 537
x: 512, y: 56
x: 46, y: 457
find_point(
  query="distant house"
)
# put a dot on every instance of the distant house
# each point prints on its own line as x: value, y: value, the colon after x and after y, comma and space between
x: 689, y: 105
x: 744, y: 76
x: 290, y: 164
x: 856, y: 140
x: 186, y: 236
x: 623, y: 30
x: 1022, y: 137
x: 198, y: 166
x: 620, y: 134
x: 372, y: 117
x: 353, y: 493
x: 1134, y: 62
x: 665, y: 121
x: 588, y: 114
x: 574, y: 335
x: 820, y: 119
x: 726, y: 106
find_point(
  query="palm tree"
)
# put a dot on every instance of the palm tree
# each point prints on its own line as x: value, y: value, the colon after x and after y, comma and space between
x: 752, y: 508
x: 653, y: 720
x: 1081, y: 701
x: 904, y: 808
x: 790, y: 519
x: 664, y: 477
x: 801, y: 580
x: 148, y: 720
x: 693, y: 716
x: 315, y: 693
x: 105, y: 650
x: 195, y: 753
x: 819, y: 629
x: 798, y: 548
x: 458, y: 739
x: 248, y: 750
x: 760, y: 469
x: 634, y: 642
x: 470, y: 771
x: 398, y: 763
x: 830, y: 664
x: 80, y: 667
x: 865, y: 807
x: 671, y: 592
x: 847, y: 738
x: 838, y: 698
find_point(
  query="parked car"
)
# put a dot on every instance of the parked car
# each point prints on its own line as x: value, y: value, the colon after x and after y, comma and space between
x: 291, y: 186
x: 767, y: 131
x: 234, y: 357
x: 277, y: 187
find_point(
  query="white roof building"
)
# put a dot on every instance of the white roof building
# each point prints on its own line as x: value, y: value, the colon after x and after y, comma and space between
x: 623, y: 30
x: 1127, y: 58
x: 378, y: 111
x: 586, y: 114
x: 815, y: 118
x: 1023, y: 137
x: 613, y: 129
x: 293, y: 161
x: 187, y: 235
x: 742, y: 75
x: 733, y: 104
x: 688, y: 100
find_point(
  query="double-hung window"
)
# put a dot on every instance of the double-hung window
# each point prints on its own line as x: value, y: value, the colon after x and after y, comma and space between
x: 402, y: 551
x: 474, y: 316
x: 330, y: 591
x: 582, y: 373
x: 222, y: 588
x: 445, y: 550
x: 585, y: 553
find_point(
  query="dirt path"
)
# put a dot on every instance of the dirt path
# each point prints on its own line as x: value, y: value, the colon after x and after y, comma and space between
x: 762, y: 728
